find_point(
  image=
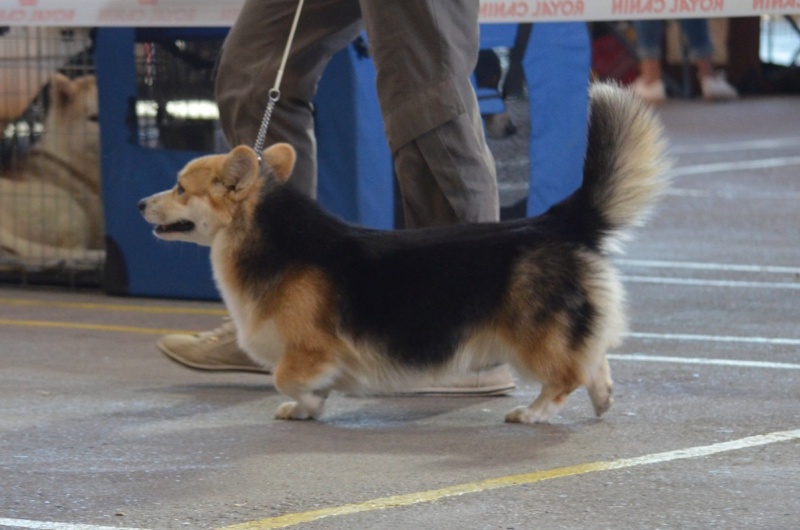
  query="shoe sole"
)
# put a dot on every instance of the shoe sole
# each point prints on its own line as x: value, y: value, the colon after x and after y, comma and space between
x: 487, y: 391
x: 212, y: 368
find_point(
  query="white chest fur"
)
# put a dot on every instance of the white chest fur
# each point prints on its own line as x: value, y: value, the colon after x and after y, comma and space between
x: 258, y: 336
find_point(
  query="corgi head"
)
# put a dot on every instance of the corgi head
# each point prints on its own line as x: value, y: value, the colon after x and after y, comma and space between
x: 211, y: 190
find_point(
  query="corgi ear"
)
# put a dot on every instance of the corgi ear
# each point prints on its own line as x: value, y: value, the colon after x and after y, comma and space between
x: 280, y: 158
x: 240, y: 165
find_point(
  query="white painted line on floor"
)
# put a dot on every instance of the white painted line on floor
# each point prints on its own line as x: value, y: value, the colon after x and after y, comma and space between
x: 423, y: 497
x: 708, y: 266
x: 768, y: 143
x: 710, y: 283
x: 742, y: 165
x: 42, y: 525
x: 733, y: 194
x: 777, y: 341
x: 643, y: 357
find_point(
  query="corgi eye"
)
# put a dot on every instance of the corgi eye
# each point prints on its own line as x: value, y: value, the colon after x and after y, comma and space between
x: 179, y: 189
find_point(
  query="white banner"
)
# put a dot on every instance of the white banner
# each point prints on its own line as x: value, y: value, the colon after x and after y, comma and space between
x: 210, y: 13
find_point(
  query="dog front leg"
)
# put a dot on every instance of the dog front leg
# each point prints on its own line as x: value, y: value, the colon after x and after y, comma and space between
x: 306, y: 377
x: 549, y: 402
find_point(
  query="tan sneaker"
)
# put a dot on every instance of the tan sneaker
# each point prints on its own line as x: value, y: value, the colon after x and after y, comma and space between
x: 214, y: 350
x: 494, y: 381
x: 217, y: 350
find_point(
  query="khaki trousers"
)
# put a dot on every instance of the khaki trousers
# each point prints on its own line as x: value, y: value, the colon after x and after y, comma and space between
x: 424, y: 53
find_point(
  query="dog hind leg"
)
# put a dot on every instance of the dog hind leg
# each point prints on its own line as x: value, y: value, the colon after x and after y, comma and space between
x: 600, y: 388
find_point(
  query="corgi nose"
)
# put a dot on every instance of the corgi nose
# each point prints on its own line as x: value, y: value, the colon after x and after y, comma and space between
x: 142, y: 205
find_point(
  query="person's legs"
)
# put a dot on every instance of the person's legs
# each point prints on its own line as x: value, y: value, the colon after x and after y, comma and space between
x: 425, y: 52
x: 696, y: 32
x: 249, y: 63
x: 649, y: 36
x: 712, y: 85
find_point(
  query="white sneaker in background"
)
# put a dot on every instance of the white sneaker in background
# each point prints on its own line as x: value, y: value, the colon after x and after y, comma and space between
x: 652, y: 92
x: 715, y: 87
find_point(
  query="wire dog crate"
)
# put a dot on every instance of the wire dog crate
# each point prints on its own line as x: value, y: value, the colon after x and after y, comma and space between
x: 52, y: 222
x: 175, y: 106
x: 51, y: 213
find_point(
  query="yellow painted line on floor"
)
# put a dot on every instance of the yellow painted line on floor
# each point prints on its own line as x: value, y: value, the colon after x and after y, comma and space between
x: 422, y: 497
x: 88, y: 327
x: 115, y: 307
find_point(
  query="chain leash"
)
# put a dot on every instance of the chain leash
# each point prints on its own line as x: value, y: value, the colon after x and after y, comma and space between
x: 275, y: 92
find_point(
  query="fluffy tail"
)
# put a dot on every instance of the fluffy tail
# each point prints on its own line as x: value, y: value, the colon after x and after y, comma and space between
x: 623, y: 174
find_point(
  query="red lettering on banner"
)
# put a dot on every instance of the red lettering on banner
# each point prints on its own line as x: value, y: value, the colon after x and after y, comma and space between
x: 647, y: 7
x: 503, y: 10
x: 637, y: 7
x: 767, y: 5
x: 696, y: 6
x: 37, y: 16
x: 52, y: 15
x: 499, y: 10
x: 28, y: 3
x: 12, y: 15
x: 554, y: 8
x: 126, y: 16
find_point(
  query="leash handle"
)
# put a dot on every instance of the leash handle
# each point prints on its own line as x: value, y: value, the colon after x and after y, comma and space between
x: 275, y: 92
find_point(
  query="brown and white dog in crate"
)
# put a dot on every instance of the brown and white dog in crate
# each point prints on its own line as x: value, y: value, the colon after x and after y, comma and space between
x: 332, y: 306
x: 50, y: 203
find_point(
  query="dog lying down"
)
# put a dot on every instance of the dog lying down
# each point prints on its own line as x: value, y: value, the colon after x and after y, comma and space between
x: 332, y: 306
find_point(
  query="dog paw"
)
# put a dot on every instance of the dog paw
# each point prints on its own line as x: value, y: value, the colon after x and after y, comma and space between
x: 291, y: 410
x: 525, y: 415
x: 602, y: 407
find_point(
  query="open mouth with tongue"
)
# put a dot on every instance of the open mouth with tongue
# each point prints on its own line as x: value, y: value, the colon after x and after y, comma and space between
x: 180, y: 226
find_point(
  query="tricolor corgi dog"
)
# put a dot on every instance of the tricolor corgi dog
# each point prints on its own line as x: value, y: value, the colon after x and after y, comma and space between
x: 333, y: 306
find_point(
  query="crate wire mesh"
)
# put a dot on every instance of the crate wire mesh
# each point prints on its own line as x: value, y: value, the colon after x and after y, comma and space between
x: 51, y: 218
x: 175, y: 106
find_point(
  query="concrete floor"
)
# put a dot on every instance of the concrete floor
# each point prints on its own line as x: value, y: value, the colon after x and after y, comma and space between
x: 99, y: 430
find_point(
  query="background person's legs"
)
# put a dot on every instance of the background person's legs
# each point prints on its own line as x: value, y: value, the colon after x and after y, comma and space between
x: 649, y: 37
